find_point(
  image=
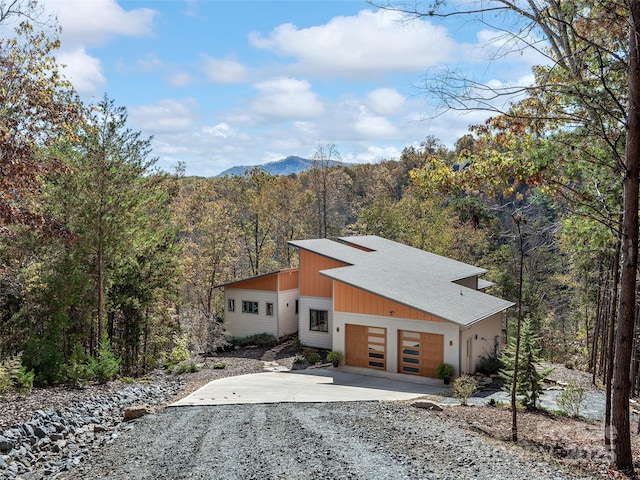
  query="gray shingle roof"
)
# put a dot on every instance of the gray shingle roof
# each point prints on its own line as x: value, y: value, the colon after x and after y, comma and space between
x: 410, y: 276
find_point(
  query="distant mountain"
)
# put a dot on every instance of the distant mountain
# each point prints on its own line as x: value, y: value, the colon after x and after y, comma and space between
x: 286, y: 166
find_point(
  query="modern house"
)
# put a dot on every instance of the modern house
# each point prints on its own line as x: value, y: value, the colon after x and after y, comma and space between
x: 382, y: 304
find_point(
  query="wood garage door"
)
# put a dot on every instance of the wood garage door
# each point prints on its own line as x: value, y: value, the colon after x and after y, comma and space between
x: 419, y: 353
x: 366, y: 346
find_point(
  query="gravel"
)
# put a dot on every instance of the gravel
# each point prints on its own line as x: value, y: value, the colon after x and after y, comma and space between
x: 353, y: 440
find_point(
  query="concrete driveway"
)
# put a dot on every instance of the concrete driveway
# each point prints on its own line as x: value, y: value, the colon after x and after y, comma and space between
x: 312, y: 385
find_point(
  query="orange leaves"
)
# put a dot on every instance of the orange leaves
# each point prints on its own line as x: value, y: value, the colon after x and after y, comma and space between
x: 37, y: 108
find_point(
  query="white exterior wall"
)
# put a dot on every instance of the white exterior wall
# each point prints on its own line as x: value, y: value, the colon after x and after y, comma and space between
x: 307, y: 337
x: 239, y: 324
x: 478, y: 341
x: 449, y: 330
x: 286, y: 311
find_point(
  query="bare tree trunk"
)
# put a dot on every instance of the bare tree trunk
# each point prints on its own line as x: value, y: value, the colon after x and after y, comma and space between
x: 627, y: 310
x: 608, y: 365
x: 516, y: 360
x: 100, y: 266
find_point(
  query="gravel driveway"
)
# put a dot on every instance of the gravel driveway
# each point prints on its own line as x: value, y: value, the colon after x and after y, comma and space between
x: 354, y: 440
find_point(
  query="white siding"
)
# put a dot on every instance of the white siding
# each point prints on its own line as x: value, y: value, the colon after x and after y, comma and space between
x: 239, y: 324
x: 478, y: 341
x: 286, y: 311
x: 307, y: 337
x: 449, y: 330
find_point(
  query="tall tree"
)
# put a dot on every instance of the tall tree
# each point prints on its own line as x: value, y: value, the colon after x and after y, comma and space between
x: 590, y: 84
x: 323, y: 160
x: 109, y: 168
x: 38, y: 108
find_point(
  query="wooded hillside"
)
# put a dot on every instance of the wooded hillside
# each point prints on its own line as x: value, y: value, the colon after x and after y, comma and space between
x: 102, y: 255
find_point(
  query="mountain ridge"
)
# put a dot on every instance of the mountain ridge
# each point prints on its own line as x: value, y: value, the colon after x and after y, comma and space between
x: 286, y: 166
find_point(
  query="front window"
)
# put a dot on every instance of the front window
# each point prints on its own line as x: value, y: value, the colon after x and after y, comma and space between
x: 249, y: 307
x: 232, y: 305
x: 270, y: 309
x: 319, y: 320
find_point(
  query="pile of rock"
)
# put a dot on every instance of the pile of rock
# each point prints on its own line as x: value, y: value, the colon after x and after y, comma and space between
x: 54, y: 441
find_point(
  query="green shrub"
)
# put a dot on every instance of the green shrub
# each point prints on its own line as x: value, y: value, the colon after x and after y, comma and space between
x: 5, y: 378
x: 105, y: 367
x: 219, y: 366
x: 186, y: 366
x: 463, y: 388
x: 264, y: 340
x: 14, y: 375
x: 313, y: 358
x: 297, y: 345
x: 495, y: 403
x: 489, y: 365
x: 571, y: 399
x: 334, y: 357
x: 180, y: 352
x: 44, y: 357
x: 76, y: 369
x: 23, y: 380
x: 127, y: 379
x: 445, y: 371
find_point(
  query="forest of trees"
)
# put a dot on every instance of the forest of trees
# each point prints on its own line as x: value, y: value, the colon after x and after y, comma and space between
x: 97, y: 246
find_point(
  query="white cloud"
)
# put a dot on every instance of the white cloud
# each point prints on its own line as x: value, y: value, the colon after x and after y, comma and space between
x: 374, y: 127
x: 370, y: 43
x: 83, y: 70
x: 219, y: 130
x: 180, y: 79
x: 167, y: 117
x: 88, y: 23
x: 224, y: 71
x: 286, y: 98
x: 149, y: 63
x: 385, y: 101
x: 94, y: 22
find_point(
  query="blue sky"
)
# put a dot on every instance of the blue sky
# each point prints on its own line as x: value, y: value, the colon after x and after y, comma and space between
x: 224, y: 83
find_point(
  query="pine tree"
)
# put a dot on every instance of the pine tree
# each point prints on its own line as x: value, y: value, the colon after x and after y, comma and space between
x: 529, y: 377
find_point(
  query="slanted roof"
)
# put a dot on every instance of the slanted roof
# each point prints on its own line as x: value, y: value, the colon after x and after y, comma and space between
x: 330, y: 249
x: 413, y: 277
x: 418, y: 261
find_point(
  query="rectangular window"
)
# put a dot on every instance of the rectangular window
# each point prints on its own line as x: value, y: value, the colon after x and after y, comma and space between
x: 249, y: 307
x: 319, y: 320
x: 232, y: 305
x: 296, y: 307
x: 270, y: 309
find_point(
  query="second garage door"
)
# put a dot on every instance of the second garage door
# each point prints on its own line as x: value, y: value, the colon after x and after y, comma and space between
x: 366, y: 346
x: 419, y: 353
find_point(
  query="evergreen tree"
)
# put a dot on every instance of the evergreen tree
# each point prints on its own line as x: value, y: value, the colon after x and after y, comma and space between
x: 529, y: 377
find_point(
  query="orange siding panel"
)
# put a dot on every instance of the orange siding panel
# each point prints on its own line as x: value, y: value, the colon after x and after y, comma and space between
x: 312, y: 284
x: 288, y: 280
x: 268, y: 283
x: 354, y: 300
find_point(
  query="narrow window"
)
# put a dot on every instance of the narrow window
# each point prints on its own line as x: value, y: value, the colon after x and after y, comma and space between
x: 296, y: 307
x: 319, y: 320
x: 232, y: 305
x: 249, y: 307
x: 270, y: 309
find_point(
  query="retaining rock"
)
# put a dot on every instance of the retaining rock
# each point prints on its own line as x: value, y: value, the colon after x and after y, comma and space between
x: 55, y: 441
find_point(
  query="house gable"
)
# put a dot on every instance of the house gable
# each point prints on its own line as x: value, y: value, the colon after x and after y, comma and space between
x: 312, y: 284
x: 350, y: 299
x: 288, y: 280
x: 268, y: 283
